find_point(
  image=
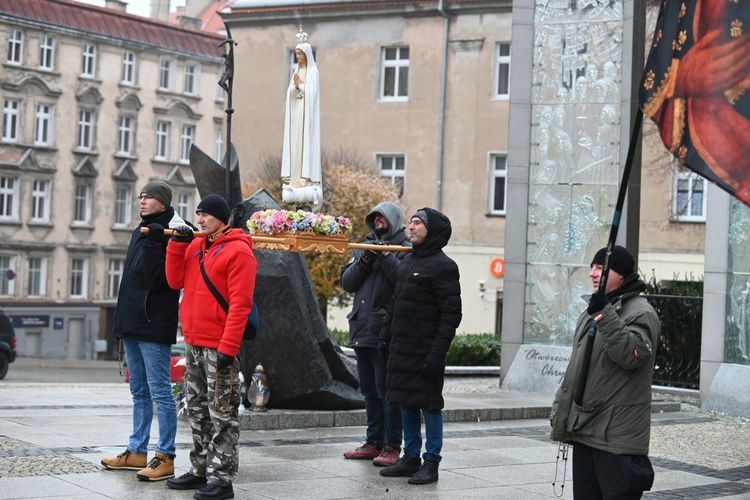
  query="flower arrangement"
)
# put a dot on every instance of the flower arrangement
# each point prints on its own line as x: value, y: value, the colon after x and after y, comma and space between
x: 280, y: 221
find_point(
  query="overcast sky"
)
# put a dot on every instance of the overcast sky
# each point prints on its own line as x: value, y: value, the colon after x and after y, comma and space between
x: 137, y: 7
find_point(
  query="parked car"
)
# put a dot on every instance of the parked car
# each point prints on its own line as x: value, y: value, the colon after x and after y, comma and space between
x: 7, y: 344
x: 176, y: 367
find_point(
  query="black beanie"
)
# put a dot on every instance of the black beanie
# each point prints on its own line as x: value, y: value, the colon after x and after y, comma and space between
x: 621, y: 260
x: 421, y: 214
x: 215, y: 205
x: 159, y: 190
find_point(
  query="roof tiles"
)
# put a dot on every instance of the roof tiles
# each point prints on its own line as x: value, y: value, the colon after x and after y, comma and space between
x: 114, y: 24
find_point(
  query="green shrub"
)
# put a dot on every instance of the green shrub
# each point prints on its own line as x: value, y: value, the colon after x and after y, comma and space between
x: 481, y: 349
x: 341, y: 336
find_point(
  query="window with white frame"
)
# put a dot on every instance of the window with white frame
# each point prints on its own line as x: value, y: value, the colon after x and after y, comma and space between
x: 394, y: 73
x: 43, y: 129
x: 162, y: 140
x: 8, y: 198
x: 183, y: 206
x: 689, y: 197
x: 186, y: 140
x: 88, y: 66
x: 502, y: 70
x: 47, y: 52
x: 82, y: 204
x: 15, y: 47
x: 218, y: 145
x: 36, y: 277
x: 498, y: 183
x: 11, y: 120
x: 191, y: 78
x: 123, y: 206
x: 7, y: 274
x: 393, y: 167
x: 128, y: 68
x: 114, y: 277
x: 79, y: 278
x: 40, y: 200
x: 125, y: 135
x: 166, y: 73
x: 85, y: 129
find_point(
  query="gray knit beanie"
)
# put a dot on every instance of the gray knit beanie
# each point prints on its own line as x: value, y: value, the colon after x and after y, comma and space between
x: 159, y: 190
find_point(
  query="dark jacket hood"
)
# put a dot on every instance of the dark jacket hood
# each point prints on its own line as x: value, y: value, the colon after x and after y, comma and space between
x: 392, y: 213
x: 438, y: 233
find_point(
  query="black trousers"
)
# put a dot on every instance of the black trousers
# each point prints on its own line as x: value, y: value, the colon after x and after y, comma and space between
x: 601, y: 475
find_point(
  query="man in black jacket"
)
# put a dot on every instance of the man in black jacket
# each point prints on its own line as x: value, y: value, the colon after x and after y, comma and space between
x: 372, y: 276
x: 417, y: 331
x: 146, y: 324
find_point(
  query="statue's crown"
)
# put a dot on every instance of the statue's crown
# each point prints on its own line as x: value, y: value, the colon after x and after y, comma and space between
x: 301, y: 36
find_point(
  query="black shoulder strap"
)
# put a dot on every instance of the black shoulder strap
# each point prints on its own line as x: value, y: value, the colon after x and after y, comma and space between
x: 212, y: 288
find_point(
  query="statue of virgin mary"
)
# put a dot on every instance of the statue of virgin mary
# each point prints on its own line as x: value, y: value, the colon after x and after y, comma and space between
x: 300, y: 159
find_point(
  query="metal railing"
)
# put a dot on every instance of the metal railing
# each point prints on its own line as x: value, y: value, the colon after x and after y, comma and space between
x: 678, y: 353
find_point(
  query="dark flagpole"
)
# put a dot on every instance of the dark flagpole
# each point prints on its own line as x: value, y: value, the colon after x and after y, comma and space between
x: 581, y: 385
x: 226, y: 81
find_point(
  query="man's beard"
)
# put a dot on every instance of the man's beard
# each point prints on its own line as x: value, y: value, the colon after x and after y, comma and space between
x: 381, y: 231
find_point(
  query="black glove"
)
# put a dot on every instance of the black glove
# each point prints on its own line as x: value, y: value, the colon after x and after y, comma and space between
x: 596, y: 303
x: 155, y: 232
x: 368, y: 257
x: 383, y: 350
x: 433, y: 368
x: 223, y: 361
x: 183, y: 234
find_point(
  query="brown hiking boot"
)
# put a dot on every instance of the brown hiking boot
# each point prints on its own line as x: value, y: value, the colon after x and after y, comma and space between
x: 365, y: 452
x: 126, y: 460
x: 160, y: 467
x: 387, y: 457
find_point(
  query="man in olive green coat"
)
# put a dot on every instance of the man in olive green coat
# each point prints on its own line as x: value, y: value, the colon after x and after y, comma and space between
x: 611, y: 427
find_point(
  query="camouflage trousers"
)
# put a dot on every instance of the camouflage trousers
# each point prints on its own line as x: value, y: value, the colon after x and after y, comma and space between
x: 213, y: 401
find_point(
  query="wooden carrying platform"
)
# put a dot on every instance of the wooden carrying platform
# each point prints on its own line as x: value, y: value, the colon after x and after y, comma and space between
x: 307, y: 242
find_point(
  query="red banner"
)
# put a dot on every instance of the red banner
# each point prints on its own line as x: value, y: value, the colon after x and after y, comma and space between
x: 695, y: 88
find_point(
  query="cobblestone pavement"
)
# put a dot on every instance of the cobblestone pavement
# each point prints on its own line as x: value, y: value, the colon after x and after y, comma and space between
x: 53, y: 437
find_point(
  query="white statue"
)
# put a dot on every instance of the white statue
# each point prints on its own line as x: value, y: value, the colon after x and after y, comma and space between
x: 300, y: 160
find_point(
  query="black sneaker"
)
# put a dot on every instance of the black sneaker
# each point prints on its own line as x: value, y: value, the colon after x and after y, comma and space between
x: 427, y: 474
x: 186, y: 481
x: 405, y: 466
x: 214, y: 492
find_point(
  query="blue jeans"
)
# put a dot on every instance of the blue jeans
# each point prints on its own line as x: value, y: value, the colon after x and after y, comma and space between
x: 383, y: 420
x: 150, y: 381
x: 433, y: 426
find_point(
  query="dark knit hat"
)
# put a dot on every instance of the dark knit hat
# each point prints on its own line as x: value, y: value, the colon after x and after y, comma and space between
x: 621, y: 260
x: 421, y: 214
x: 159, y: 190
x: 215, y: 205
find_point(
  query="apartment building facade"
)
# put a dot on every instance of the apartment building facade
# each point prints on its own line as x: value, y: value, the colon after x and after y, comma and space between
x: 95, y: 103
x: 421, y: 94
x: 420, y: 88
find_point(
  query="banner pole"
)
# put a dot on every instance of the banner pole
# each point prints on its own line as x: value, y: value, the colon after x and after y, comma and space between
x: 634, y: 136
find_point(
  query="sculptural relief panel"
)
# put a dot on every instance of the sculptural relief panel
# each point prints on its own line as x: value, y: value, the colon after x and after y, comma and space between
x: 737, y: 342
x: 574, y: 156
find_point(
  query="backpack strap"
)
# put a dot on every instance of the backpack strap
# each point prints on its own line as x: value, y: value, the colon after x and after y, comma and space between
x: 222, y: 302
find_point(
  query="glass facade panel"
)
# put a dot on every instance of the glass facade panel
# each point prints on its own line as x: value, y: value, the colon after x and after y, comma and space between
x: 737, y: 328
x: 574, y: 159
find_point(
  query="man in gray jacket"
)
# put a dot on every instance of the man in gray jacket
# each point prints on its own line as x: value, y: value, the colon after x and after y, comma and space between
x: 371, y: 276
x: 611, y: 427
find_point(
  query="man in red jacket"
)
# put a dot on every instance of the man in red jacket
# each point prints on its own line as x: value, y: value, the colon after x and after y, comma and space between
x: 214, y: 338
